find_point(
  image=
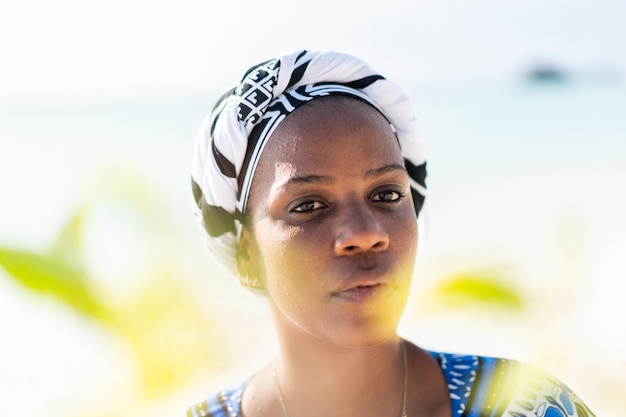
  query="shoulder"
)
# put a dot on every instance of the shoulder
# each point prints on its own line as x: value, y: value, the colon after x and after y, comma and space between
x: 541, y: 394
x: 224, y: 403
x: 505, y: 387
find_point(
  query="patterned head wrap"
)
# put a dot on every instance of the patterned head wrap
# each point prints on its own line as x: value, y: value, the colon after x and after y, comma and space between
x: 232, y: 137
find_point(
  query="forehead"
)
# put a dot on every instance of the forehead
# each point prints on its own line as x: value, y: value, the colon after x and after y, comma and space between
x: 332, y: 136
x: 320, y: 127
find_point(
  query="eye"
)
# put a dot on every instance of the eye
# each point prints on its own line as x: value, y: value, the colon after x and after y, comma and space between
x: 308, y: 206
x: 387, y: 196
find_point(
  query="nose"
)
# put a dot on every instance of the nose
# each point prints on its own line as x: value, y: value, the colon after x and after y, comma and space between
x: 359, y: 232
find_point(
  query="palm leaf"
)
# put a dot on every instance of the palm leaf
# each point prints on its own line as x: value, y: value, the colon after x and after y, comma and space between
x: 477, y: 288
x: 47, y: 275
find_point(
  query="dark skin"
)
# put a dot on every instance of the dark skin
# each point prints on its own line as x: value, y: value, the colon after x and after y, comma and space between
x: 331, y: 236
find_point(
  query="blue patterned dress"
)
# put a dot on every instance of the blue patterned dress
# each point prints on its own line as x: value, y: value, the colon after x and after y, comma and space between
x: 479, y: 386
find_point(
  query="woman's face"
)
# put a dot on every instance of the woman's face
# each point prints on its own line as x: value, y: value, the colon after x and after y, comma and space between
x: 332, y: 229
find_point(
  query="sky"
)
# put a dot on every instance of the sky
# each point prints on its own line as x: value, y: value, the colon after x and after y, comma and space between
x: 72, y: 48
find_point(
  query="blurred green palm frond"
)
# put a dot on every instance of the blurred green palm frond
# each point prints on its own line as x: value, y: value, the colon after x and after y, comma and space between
x: 168, y: 332
x: 58, y: 272
x: 482, y: 289
x: 43, y: 273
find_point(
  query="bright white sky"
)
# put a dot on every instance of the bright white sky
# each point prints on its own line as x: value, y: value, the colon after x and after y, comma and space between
x: 97, y: 47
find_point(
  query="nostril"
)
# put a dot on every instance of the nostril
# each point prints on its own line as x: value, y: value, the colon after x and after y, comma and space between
x: 352, y: 240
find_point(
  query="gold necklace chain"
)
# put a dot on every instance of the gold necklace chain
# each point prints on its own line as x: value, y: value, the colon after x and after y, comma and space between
x: 281, y: 399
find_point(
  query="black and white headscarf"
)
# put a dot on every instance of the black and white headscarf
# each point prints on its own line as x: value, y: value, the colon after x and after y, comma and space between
x: 232, y: 137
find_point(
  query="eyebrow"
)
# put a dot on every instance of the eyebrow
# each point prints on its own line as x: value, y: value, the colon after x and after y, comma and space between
x: 311, y: 179
x: 327, y: 180
x: 386, y: 169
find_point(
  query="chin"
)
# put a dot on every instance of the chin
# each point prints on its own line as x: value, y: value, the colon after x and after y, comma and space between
x: 362, y: 335
x: 368, y: 329
x: 350, y: 327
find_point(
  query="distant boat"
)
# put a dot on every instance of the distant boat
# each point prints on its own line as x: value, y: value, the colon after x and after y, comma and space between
x: 546, y: 74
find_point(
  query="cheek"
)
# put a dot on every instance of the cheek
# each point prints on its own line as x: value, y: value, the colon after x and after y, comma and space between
x: 409, y: 232
x: 289, y: 268
x: 404, y: 220
x: 287, y: 254
x: 404, y: 236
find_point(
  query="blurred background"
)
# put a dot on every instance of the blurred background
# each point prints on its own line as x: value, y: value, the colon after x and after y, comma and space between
x: 109, y: 304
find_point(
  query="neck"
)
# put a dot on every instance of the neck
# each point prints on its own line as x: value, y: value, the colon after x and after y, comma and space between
x: 352, y: 381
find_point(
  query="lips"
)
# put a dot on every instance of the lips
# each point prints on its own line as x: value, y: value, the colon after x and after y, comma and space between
x: 365, y: 284
x: 362, y: 293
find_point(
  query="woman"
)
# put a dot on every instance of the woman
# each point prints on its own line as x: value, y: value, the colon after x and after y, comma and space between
x: 308, y: 177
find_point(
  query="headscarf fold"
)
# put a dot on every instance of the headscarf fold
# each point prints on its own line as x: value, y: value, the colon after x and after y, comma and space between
x: 231, y: 139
